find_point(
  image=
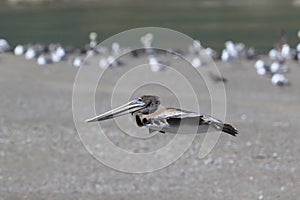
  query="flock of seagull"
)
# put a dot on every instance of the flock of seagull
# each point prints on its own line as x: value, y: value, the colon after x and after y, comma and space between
x: 55, y: 52
x: 278, y: 68
x: 145, y: 109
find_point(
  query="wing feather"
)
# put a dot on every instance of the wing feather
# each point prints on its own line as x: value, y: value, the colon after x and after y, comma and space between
x: 173, y: 113
x: 169, y: 119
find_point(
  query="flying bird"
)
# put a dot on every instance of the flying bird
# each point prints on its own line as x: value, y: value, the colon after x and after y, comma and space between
x: 170, y: 120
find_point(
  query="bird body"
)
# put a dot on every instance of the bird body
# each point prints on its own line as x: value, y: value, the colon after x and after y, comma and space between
x: 19, y: 50
x: 41, y: 60
x: 279, y: 79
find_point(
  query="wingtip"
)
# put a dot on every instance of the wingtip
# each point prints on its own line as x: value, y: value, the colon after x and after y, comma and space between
x: 227, y: 128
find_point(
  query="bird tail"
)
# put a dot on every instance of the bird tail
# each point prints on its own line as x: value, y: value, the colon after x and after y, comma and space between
x: 227, y: 128
x: 217, y: 124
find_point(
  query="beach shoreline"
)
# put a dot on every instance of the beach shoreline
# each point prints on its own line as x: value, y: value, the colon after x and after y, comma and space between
x: 42, y: 156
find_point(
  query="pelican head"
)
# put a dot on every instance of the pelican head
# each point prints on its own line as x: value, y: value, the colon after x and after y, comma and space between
x: 146, y: 104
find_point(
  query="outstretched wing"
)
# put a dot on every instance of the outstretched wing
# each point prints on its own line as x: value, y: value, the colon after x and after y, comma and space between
x: 171, y: 119
x: 167, y: 120
x: 172, y: 113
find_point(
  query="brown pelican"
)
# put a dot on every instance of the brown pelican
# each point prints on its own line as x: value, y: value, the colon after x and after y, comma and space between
x: 144, y: 109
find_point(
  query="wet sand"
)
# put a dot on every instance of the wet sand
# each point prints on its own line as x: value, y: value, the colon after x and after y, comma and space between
x: 42, y: 156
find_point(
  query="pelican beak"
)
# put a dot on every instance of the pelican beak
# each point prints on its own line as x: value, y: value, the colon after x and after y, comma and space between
x: 127, y: 108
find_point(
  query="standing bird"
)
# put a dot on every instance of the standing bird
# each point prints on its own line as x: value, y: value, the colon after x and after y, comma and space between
x: 280, y: 80
x: 144, y: 110
x: 216, y: 78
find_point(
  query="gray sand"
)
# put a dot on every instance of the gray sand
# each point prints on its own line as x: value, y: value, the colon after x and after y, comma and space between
x: 42, y: 156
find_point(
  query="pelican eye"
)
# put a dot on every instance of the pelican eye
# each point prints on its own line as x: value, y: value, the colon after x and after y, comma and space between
x: 138, y: 101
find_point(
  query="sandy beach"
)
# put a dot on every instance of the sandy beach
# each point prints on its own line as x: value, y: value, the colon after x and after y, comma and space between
x: 42, y: 156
